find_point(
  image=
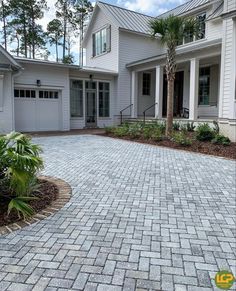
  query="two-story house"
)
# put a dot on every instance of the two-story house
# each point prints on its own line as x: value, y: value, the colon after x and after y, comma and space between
x: 125, y: 68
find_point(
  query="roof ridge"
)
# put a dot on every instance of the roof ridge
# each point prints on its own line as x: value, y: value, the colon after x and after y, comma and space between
x: 119, y: 7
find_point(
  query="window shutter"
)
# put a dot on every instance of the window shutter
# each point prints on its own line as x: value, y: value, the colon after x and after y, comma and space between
x: 94, y: 45
x: 108, y: 35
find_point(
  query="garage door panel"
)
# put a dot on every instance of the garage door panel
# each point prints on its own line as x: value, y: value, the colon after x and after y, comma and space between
x: 25, y: 112
x: 48, y: 115
x: 37, y: 111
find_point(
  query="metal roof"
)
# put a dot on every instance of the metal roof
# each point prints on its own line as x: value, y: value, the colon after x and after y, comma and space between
x: 217, y: 12
x: 186, y: 7
x: 127, y: 19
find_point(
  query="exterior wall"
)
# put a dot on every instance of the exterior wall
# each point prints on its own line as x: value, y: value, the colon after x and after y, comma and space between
x: 6, y: 110
x: 107, y: 60
x: 133, y: 47
x: 51, y: 78
x: 214, y: 29
x: 79, y: 122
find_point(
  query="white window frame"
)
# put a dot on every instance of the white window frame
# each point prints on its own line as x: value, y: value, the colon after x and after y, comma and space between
x: 105, y: 44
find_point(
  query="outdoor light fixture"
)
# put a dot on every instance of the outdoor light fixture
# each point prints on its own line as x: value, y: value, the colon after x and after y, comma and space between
x: 38, y: 82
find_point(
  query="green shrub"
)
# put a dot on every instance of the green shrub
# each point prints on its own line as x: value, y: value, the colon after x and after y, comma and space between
x: 182, y: 139
x: 221, y: 139
x: 157, y: 135
x: 109, y: 129
x: 216, y: 127
x: 176, y: 125
x: 121, y: 131
x: 134, y: 130
x: 204, y: 132
x: 20, y: 163
x: 147, y: 131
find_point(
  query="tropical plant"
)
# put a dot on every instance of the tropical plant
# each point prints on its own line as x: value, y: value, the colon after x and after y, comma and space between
x: 204, y: 132
x: 171, y: 31
x: 221, y: 139
x: 20, y: 162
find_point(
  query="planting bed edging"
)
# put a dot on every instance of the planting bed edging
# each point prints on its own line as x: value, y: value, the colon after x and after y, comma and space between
x: 64, y: 194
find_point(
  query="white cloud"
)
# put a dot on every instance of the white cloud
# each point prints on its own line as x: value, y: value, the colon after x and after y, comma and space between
x: 150, y: 7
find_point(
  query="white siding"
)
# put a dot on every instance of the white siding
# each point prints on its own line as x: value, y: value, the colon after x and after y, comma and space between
x: 214, y: 29
x: 133, y: 47
x: 108, y: 60
x: 50, y: 77
x: 6, y: 112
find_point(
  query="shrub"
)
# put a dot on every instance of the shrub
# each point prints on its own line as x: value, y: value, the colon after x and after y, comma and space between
x: 157, y: 135
x: 216, y: 127
x: 121, y: 131
x: 147, y: 131
x: 221, y: 139
x: 176, y: 125
x: 182, y: 139
x: 162, y: 126
x: 109, y: 129
x: 20, y: 163
x: 134, y: 130
x: 204, y: 132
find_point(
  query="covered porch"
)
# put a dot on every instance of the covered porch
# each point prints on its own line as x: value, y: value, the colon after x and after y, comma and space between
x: 196, y: 88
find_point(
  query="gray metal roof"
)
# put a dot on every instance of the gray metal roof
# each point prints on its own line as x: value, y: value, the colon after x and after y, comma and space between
x: 186, y: 7
x: 127, y: 19
x: 217, y: 12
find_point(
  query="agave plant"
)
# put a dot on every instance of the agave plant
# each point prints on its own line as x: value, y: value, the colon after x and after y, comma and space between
x: 19, y: 165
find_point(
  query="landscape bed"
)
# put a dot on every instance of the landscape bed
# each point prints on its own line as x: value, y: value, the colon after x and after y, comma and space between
x: 210, y: 141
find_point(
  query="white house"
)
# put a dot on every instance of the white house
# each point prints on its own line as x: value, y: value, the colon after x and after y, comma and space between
x: 125, y: 69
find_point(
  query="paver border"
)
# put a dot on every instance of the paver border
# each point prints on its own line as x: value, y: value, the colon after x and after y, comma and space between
x: 64, y: 195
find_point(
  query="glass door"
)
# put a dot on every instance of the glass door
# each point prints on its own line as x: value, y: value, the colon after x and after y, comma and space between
x: 91, y: 108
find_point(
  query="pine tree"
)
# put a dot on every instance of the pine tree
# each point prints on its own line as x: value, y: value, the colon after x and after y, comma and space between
x: 55, y: 33
x: 4, y: 13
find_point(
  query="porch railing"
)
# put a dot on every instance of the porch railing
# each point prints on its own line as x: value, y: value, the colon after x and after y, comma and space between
x: 121, y: 112
x: 144, y: 112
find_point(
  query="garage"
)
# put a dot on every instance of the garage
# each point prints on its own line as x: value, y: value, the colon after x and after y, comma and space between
x: 37, y: 109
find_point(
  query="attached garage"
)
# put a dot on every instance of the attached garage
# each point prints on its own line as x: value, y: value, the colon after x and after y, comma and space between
x: 37, y: 109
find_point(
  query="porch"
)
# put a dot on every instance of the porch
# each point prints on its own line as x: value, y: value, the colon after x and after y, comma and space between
x: 196, y: 89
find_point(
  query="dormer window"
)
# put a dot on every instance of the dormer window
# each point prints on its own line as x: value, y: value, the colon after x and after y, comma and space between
x: 101, y: 41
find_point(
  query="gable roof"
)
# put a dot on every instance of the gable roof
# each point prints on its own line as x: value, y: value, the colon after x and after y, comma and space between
x: 10, y: 58
x: 186, y: 7
x: 127, y: 19
x: 122, y: 18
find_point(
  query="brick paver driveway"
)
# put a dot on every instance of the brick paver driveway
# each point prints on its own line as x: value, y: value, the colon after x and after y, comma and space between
x: 141, y: 218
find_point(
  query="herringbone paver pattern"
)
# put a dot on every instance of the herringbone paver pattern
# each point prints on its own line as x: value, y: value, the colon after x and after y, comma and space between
x: 140, y: 218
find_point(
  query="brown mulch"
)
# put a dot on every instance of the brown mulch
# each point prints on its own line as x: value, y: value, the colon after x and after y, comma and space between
x: 46, y: 193
x: 197, y: 146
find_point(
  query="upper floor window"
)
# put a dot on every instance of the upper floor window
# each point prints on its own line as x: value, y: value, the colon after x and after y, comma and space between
x: 146, y: 84
x: 101, y: 41
x: 190, y: 35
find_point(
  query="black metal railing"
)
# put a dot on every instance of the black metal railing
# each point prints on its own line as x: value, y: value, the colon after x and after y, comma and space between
x: 144, y: 112
x: 121, y: 112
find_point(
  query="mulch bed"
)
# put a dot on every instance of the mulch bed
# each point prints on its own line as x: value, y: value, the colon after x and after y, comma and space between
x: 46, y: 193
x: 196, y: 146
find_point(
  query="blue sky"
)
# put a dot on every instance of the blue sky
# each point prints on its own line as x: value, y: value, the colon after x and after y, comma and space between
x: 149, y: 7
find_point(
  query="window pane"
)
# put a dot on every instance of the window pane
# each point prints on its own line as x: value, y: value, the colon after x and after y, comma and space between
x: 76, y: 98
x: 55, y: 95
x: 204, y: 86
x: 32, y: 94
x: 40, y: 94
x: 16, y: 93
x: 104, y: 99
x: 22, y: 93
x: 146, y: 84
x: 201, y: 26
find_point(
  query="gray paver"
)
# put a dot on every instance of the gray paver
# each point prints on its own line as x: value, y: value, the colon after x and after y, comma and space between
x: 140, y: 217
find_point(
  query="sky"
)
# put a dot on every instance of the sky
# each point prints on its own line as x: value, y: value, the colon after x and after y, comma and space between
x: 149, y: 7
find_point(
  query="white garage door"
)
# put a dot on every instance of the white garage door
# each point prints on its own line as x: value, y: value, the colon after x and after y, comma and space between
x: 37, y: 110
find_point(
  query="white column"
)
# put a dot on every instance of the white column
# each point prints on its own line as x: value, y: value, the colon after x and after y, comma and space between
x: 134, y: 99
x: 159, y: 92
x: 193, y: 92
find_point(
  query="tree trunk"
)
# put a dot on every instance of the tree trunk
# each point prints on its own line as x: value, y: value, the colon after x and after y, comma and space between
x: 81, y: 38
x: 4, y: 26
x: 25, y: 36
x: 170, y: 100
x: 57, y: 50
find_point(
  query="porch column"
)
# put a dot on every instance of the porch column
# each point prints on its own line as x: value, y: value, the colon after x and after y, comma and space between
x: 134, y: 99
x: 159, y: 92
x: 193, y: 92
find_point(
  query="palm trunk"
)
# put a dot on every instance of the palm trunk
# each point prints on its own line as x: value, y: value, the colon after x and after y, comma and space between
x: 170, y: 72
x: 170, y: 99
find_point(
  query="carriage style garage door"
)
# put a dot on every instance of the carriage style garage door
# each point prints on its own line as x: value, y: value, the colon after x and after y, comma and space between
x: 37, y: 110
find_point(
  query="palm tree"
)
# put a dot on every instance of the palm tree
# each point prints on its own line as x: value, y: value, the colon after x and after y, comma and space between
x: 171, y: 30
